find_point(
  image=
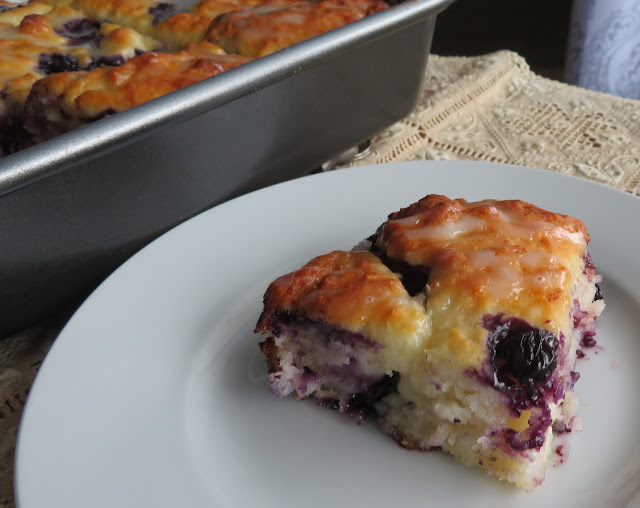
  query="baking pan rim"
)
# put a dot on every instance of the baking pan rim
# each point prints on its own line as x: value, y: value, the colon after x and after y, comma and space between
x: 93, y: 140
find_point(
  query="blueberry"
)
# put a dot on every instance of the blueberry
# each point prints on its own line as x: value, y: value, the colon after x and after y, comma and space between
x: 50, y: 63
x: 521, y: 354
x: 111, y: 60
x: 414, y: 277
x: 162, y: 11
x: 80, y: 31
x: 521, y: 362
x: 598, y: 295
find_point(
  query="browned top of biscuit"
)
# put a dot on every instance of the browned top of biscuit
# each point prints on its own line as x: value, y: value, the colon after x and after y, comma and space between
x: 436, y: 223
x: 16, y: 12
x: 141, y: 79
x: 486, y: 258
x: 61, y: 102
x: 132, y: 13
x: 191, y: 26
x: 489, y: 257
x: 353, y: 289
x: 277, y: 24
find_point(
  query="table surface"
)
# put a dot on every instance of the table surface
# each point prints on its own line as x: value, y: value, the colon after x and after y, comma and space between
x: 491, y: 108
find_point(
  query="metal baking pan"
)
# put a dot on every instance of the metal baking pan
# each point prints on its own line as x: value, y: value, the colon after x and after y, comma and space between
x: 75, y: 207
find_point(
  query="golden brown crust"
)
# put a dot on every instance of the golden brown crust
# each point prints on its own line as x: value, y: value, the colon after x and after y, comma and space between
x: 490, y: 224
x: 24, y: 49
x: 21, y: 47
x: 131, y: 13
x: 38, y: 28
x: 270, y: 352
x: 277, y: 24
x: 170, y: 23
x: 488, y: 257
x: 339, y: 287
x: 17, y: 14
x: 206, y: 49
x: 63, y: 101
x: 192, y: 26
x: 122, y: 41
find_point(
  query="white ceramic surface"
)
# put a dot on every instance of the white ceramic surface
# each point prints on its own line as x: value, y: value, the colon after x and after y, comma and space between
x: 153, y: 395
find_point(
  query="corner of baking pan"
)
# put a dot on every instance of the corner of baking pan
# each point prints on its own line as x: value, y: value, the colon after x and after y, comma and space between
x: 96, y: 139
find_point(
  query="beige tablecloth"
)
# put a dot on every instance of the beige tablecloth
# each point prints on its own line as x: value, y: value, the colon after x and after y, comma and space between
x: 489, y: 108
x: 494, y: 108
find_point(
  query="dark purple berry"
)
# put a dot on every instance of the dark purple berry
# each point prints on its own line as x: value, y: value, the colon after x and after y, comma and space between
x: 522, y: 355
x: 359, y: 405
x: 519, y: 443
x: 111, y: 60
x: 598, y: 295
x: 80, y: 31
x: 162, y: 11
x: 574, y: 377
x: 50, y: 63
x: 521, y: 363
x: 414, y: 278
x: 588, y: 340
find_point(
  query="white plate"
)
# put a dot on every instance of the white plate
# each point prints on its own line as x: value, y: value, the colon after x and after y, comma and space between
x: 154, y: 395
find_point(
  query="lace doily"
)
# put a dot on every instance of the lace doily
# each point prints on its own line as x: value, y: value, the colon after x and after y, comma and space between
x: 495, y: 108
x: 486, y: 108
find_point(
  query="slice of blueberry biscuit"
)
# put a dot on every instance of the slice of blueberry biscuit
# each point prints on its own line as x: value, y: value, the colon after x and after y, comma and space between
x: 457, y: 325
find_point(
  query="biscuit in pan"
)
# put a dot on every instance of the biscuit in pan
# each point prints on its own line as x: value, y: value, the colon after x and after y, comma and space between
x: 192, y: 25
x: 171, y: 23
x: 60, y: 39
x: 13, y: 13
x: 277, y: 24
x: 62, y: 102
x: 136, y: 14
x: 458, y: 328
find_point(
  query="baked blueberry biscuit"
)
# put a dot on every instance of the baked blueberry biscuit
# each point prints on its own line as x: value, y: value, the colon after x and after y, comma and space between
x: 191, y: 25
x: 13, y: 13
x: 62, y: 102
x: 174, y: 24
x: 59, y: 39
x: 277, y: 24
x: 136, y: 14
x: 457, y: 324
